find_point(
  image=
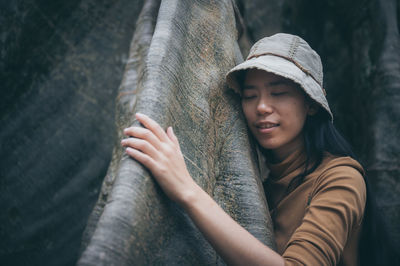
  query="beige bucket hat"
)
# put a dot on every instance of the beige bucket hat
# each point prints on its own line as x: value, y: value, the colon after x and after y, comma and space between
x: 288, y: 56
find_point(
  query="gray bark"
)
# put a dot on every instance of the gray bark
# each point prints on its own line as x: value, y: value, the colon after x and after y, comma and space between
x: 182, y: 85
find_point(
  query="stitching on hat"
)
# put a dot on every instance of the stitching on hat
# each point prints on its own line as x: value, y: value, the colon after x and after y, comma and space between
x: 293, y: 47
x: 291, y: 60
x: 253, y: 49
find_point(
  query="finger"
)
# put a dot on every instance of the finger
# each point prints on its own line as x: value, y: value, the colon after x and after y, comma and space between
x: 172, y: 136
x: 153, y: 126
x: 143, y: 133
x: 141, y: 145
x: 142, y: 158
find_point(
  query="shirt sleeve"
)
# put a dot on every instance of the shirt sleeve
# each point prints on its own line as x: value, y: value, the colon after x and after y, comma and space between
x: 335, y: 209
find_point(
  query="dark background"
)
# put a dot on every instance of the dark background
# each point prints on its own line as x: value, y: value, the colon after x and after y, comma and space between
x: 61, y: 63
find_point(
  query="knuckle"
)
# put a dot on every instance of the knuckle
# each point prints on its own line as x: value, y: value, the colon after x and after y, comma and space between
x: 168, y: 150
x: 146, y: 134
x: 145, y: 160
x: 141, y: 144
x: 163, y: 170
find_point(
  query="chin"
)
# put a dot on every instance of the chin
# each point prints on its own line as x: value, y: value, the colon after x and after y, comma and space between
x: 269, y: 145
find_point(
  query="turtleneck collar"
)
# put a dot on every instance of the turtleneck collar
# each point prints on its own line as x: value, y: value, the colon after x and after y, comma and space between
x: 280, y: 176
x: 292, y: 164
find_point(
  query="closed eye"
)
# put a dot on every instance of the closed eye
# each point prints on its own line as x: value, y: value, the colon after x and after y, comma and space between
x: 248, y: 97
x: 278, y: 93
x: 249, y: 93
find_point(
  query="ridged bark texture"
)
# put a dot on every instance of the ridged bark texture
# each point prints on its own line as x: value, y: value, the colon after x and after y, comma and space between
x: 182, y: 85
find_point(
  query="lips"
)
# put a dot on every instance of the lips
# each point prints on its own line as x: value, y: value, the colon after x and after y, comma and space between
x: 266, y: 126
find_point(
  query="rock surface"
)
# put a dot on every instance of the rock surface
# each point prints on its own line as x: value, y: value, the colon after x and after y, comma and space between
x: 60, y: 68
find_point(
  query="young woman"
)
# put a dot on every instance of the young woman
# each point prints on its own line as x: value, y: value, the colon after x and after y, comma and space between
x: 316, y: 190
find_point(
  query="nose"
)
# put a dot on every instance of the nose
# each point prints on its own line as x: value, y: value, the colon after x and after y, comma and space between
x: 264, y: 106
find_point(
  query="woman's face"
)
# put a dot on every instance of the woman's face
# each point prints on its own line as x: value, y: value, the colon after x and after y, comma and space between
x: 275, y: 110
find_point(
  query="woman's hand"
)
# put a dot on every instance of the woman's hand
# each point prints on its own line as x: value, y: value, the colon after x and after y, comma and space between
x: 159, y: 152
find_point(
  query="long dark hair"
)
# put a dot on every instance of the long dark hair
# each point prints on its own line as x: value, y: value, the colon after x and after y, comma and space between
x: 320, y: 135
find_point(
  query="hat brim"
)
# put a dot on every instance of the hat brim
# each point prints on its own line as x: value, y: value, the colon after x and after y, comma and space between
x: 282, y: 67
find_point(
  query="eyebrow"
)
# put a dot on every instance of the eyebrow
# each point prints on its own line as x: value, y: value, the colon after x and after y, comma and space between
x: 276, y: 83
x: 269, y: 84
x: 248, y: 87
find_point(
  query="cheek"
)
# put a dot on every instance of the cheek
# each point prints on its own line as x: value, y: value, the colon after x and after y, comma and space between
x: 295, y: 111
x: 247, y: 111
x: 300, y: 113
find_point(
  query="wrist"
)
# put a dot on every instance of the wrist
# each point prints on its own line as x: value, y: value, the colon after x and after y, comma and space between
x: 191, y: 196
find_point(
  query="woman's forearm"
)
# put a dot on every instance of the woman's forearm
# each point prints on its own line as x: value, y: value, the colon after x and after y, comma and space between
x: 159, y: 151
x: 231, y: 241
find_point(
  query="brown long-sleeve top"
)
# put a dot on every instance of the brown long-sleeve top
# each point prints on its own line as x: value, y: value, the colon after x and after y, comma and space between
x: 319, y: 222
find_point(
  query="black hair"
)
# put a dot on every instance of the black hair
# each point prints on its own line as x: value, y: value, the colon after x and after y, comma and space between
x: 320, y: 135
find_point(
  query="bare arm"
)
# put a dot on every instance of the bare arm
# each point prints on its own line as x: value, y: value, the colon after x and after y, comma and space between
x: 231, y: 241
x: 159, y: 151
